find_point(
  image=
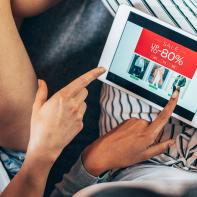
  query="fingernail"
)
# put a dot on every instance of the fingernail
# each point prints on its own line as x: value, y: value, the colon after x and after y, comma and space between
x: 175, y: 94
x: 102, y: 69
x: 39, y: 82
x: 178, y: 89
x: 173, y: 142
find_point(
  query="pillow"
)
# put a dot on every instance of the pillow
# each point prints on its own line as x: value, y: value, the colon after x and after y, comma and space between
x: 4, y: 179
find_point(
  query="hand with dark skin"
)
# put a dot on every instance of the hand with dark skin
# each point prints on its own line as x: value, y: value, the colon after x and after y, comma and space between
x: 131, y: 142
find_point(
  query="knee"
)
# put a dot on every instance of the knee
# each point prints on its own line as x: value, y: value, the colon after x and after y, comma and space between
x: 26, y: 8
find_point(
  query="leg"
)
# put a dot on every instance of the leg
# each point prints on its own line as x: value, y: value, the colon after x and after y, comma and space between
x: 18, y: 81
x: 26, y: 8
x: 18, y: 84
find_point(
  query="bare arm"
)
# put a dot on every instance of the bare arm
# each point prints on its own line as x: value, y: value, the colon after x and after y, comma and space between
x: 31, y: 179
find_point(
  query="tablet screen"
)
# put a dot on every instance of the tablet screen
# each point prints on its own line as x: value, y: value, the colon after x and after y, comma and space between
x: 152, y: 61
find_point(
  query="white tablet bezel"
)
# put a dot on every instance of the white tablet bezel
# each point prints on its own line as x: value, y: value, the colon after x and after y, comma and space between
x: 112, y: 44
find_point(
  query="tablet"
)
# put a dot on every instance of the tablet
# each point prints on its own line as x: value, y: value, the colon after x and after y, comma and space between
x: 148, y: 59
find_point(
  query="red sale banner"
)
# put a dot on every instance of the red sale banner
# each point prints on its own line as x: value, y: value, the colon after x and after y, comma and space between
x: 167, y: 53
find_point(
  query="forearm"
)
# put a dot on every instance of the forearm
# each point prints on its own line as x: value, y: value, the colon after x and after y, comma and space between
x: 30, y: 181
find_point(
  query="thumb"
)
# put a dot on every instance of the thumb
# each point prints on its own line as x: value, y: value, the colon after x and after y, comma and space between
x: 158, y: 148
x: 41, y: 95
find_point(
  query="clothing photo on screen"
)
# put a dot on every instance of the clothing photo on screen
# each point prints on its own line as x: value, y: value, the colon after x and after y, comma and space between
x: 158, y: 76
x: 138, y: 66
x: 176, y: 80
x: 180, y: 82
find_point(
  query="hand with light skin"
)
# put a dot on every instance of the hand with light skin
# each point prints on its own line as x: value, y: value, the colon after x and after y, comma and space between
x: 131, y: 142
x: 54, y: 123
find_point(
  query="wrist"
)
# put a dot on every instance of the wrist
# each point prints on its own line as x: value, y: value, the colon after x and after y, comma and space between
x: 35, y: 170
x: 42, y: 154
x: 93, y: 164
x: 37, y: 163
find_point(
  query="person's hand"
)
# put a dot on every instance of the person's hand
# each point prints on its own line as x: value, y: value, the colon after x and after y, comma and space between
x: 131, y: 142
x: 55, y: 122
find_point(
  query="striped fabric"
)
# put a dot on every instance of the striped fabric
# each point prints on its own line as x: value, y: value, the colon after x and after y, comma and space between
x: 117, y: 106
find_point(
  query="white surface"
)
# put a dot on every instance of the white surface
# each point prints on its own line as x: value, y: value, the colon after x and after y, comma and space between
x: 4, y: 179
x: 112, y: 44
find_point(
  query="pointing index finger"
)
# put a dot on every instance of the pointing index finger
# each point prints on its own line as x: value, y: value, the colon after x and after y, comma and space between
x: 83, y: 81
x: 165, y: 114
